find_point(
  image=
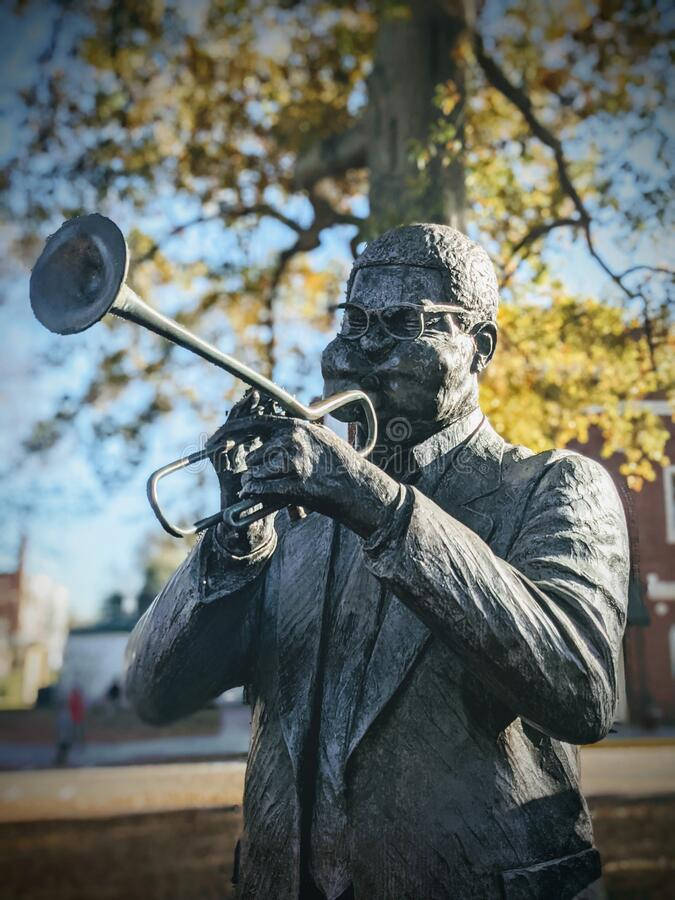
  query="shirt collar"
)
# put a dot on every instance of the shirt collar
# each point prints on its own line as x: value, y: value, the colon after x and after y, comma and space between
x: 447, y: 438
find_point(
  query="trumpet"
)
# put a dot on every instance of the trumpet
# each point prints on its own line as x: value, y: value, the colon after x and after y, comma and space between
x: 80, y: 276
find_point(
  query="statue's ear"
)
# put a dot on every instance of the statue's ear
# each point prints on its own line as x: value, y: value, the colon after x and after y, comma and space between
x: 484, y: 336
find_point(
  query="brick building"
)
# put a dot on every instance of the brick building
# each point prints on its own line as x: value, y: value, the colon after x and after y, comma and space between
x: 649, y: 645
x: 33, y: 630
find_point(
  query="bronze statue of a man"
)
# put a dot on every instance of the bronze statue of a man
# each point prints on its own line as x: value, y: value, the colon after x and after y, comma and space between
x: 426, y: 647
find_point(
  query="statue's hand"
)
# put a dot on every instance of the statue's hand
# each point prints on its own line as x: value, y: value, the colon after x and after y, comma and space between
x: 309, y: 465
x: 230, y: 466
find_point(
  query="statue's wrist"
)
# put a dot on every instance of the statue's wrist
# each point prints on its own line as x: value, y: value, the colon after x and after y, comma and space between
x: 391, y: 523
x: 377, y: 496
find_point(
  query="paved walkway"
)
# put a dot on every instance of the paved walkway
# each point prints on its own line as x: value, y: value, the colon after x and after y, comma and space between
x: 40, y: 756
x: 610, y: 769
x: 120, y: 790
x: 231, y: 740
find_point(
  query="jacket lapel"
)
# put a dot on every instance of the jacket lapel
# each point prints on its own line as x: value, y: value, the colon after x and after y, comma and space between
x: 399, y: 642
x: 470, y: 475
x: 305, y: 557
x: 460, y: 483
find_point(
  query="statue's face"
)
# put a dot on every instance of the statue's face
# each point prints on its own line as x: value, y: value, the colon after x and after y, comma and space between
x: 423, y: 381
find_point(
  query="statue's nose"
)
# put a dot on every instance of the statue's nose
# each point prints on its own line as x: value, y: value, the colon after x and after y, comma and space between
x: 375, y: 343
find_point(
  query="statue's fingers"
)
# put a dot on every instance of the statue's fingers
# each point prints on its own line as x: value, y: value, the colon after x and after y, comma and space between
x: 274, y: 454
x: 274, y: 464
x: 268, y: 490
x: 241, y: 408
x: 246, y: 404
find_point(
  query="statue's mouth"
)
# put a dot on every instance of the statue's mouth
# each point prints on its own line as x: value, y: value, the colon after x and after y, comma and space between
x: 361, y: 371
x: 373, y: 383
x: 380, y: 379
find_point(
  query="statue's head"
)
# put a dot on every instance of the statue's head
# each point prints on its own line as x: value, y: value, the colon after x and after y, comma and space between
x: 418, y: 327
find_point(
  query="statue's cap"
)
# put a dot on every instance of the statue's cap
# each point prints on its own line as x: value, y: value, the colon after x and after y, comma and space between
x: 468, y: 274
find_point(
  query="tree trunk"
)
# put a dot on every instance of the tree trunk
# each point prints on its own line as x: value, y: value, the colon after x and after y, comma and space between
x: 413, y: 55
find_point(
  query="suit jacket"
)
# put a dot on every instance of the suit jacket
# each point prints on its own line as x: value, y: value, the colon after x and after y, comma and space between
x: 507, y: 576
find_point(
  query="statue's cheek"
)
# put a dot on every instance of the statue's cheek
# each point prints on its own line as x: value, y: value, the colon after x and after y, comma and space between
x: 419, y: 352
x: 335, y: 357
x: 433, y: 360
x: 453, y: 362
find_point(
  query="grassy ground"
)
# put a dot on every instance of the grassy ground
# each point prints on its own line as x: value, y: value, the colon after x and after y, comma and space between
x: 188, y: 854
x: 636, y: 838
x: 164, y: 856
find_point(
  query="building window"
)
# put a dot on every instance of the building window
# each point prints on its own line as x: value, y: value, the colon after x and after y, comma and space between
x: 669, y: 488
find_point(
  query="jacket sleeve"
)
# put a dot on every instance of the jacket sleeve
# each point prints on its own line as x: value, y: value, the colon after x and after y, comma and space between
x: 542, y: 627
x: 197, y: 639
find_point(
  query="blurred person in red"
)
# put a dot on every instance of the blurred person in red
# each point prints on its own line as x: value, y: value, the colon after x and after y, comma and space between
x: 77, y: 710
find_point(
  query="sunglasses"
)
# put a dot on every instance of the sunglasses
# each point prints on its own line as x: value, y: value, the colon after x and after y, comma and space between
x: 403, y: 321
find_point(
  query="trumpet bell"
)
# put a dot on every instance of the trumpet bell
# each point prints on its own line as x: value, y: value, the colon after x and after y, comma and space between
x: 78, y: 274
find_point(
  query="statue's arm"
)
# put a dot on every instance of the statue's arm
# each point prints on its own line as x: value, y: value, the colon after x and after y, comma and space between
x: 543, y: 627
x: 197, y: 639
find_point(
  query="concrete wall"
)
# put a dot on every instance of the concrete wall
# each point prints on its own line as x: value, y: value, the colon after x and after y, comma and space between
x: 93, y: 661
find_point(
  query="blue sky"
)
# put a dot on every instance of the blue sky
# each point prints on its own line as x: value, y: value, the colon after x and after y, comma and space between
x: 89, y: 539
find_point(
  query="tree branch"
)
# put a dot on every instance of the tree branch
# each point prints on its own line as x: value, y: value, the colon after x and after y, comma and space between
x: 325, y: 216
x: 331, y: 156
x: 260, y: 209
x: 307, y: 239
x: 543, y: 229
x: 660, y: 269
x: 500, y: 81
x: 536, y: 232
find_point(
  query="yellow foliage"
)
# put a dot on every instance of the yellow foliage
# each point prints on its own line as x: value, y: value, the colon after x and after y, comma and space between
x: 570, y: 365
